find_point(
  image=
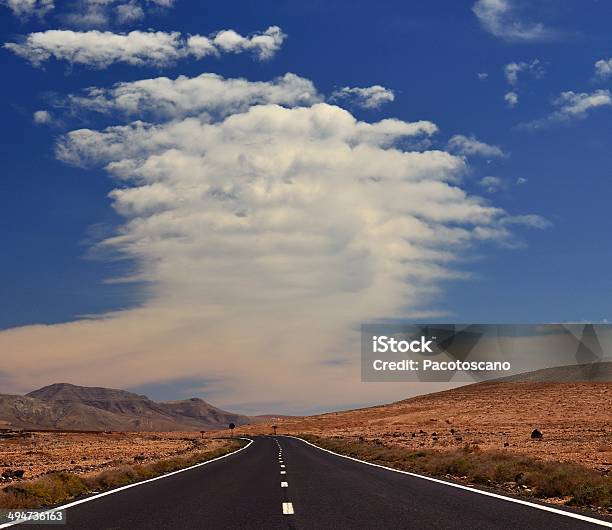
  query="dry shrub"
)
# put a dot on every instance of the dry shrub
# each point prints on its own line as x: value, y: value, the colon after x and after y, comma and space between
x: 543, y: 479
x: 47, y: 490
x: 55, y: 488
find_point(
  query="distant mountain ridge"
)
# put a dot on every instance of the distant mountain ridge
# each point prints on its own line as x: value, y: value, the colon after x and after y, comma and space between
x: 63, y: 406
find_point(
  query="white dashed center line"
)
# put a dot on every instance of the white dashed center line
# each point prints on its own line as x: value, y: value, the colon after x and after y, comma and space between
x: 284, y: 484
x: 287, y: 508
x: 283, y: 472
x: 282, y: 465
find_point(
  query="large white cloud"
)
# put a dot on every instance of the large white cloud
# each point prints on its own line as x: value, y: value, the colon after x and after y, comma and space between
x: 500, y: 18
x: 99, y: 49
x: 264, y: 237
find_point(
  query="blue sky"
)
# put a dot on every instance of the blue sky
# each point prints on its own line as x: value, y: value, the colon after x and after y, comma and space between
x: 554, y: 163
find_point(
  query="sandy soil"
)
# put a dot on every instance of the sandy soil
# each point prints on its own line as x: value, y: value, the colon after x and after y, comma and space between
x: 89, y: 453
x: 575, y: 418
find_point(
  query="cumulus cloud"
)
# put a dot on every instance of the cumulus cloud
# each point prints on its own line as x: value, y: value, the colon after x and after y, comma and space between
x: 495, y: 184
x: 572, y: 106
x: 104, y: 13
x: 28, y: 8
x: 500, y: 18
x: 42, y: 117
x: 264, y: 236
x: 576, y: 105
x: 603, y: 68
x: 207, y: 93
x: 88, y: 13
x: 492, y: 184
x: 482, y: 76
x: 264, y: 45
x: 514, y: 69
x: 511, y: 98
x: 372, y: 97
x: 100, y: 49
x: 470, y: 146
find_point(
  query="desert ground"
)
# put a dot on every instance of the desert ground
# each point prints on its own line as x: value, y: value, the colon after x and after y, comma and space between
x: 575, y: 419
x: 39, y: 453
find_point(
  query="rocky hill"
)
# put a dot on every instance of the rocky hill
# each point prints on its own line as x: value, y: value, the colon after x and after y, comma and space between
x: 201, y: 411
x: 571, y: 410
x: 63, y: 406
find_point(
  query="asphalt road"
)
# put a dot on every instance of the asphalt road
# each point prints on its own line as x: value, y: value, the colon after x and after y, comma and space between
x: 317, y: 490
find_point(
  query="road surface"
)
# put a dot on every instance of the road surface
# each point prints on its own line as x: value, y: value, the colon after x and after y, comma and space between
x: 282, y: 482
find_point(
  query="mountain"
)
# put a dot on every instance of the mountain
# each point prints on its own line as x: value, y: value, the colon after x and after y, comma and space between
x: 31, y: 413
x: 63, y: 406
x: 198, y: 410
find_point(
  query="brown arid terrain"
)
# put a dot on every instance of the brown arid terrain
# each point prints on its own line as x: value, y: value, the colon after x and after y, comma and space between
x: 39, y: 469
x: 38, y: 453
x: 575, y: 419
x: 549, y: 441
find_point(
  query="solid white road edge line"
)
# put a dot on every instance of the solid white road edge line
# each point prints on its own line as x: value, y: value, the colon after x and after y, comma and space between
x: 287, y: 508
x: 110, y: 492
x: 468, y: 488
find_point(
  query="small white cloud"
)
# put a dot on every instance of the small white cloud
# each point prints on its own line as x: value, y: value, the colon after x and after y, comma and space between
x: 27, y: 8
x: 530, y: 220
x: 42, y: 117
x: 603, y: 68
x: 92, y: 14
x: 572, y: 106
x: 576, y: 105
x: 499, y: 17
x: 128, y: 13
x: 100, y: 49
x: 492, y: 184
x: 372, y: 97
x: 264, y: 45
x: 470, y: 146
x: 511, y: 98
x: 495, y: 184
x: 512, y: 70
x: 482, y: 76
